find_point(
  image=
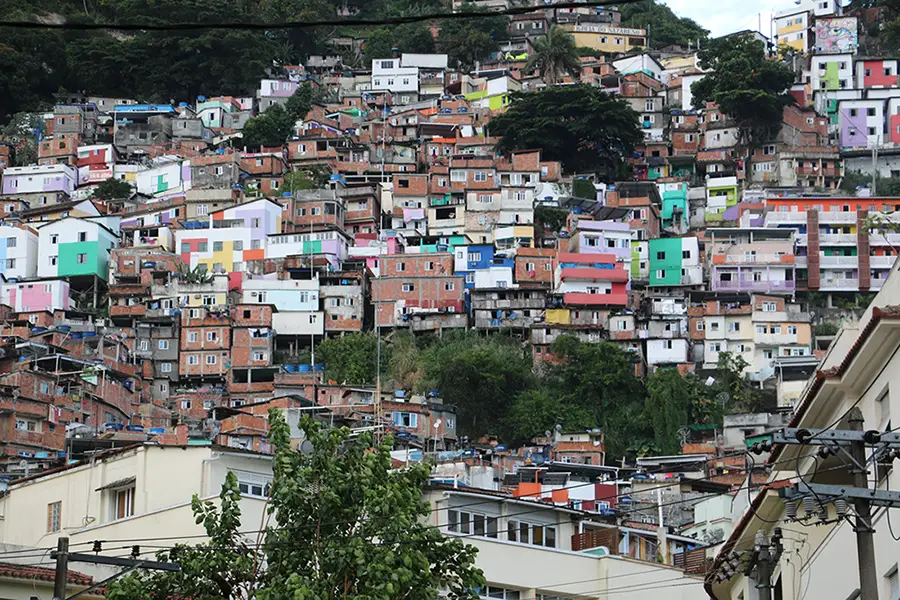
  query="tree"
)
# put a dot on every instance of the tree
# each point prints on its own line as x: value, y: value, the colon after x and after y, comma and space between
x: 301, y: 102
x: 22, y: 133
x: 224, y: 568
x: 348, y: 526
x: 582, y: 126
x: 599, y: 379
x: 555, y: 54
x: 271, y: 128
x: 536, y: 411
x: 479, y: 376
x: 351, y: 358
x: 732, y: 390
x: 351, y: 527
x: 410, y: 37
x: 746, y: 85
x: 669, y: 400
x: 467, y: 41
x: 663, y: 26
x: 112, y: 189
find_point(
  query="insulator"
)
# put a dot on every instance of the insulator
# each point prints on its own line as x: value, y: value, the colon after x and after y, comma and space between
x: 135, y: 551
x: 809, y: 505
x: 823, y: 512
x: 841, y: 507
x: 790, y: 509
x: 98, y: 546
x: 825, y: 451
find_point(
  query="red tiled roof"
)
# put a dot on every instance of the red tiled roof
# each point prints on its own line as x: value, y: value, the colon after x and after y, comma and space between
x: 41, y: 573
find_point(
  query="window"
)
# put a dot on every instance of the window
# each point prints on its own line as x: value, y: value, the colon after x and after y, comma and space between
x: 186, y: 404
x: 660, y: 274
x: 401, y: 267
x: 211, y: 359
x: 701, y: 326
x: 217, y: 246
x: 202, y: 247
x: 25, y: 424
x: 660, y: 256
x: 194, y: 313
x: 769, y: 307
x: 193, y: 336
x: 406, y: 419
x: 255, y: 244
x: 870, y: 112
x: 193, y: 359
x: 260, y: 356
x: 208, y: 404
x: 761, y: 329
x: 81, y: 259
x: 165, y: 367
x: 497, y: 592
x: 82, y: 236
x: 429, y: 266
x: 54, y: 517
x: 212, y: 336
x: 480, y: 176
x: 734, y: 326
x: 667, y: 344
x: 792, y: 329
x: 409, y: 287
x: 449, y: 286
x: 10, y: 263
x: 145, y: 345
x: 528, y: 533
x: 474, y: 523
x: 124, y: 503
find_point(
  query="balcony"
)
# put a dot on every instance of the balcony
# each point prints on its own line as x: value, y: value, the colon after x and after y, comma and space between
x: 839, y: 284
x: 884, y: 239
x: 753, y: 259
x: 137, y: 310
x: 838, y: 238
x: 839, y: 261
x: 586, y: 299
x: 882, y: 262
x: 745, y: 285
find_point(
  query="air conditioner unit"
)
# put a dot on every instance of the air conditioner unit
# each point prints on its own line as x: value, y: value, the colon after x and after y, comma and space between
x: 254, y: 294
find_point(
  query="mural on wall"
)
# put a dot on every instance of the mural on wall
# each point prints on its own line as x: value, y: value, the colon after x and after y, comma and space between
x: 836, y: 35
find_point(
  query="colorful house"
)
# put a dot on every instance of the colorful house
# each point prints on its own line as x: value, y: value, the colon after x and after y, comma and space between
x: 721, y: 194
x: 36, y: 295
x: 74, y: 247
x: 675, y: 262
x: 18, y: 252
x: 675, y: 207
x: 590, y: 279
x: 230, y: 238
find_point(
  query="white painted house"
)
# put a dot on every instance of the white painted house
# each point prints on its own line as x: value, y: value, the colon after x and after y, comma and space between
x: 18, y: 252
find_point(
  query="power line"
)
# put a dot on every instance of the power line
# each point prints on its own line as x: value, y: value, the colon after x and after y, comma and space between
x: 512, y: 11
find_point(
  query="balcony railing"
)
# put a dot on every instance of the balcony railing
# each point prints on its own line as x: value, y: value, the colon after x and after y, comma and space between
x: 755, y: 286
x: 837, y: 261
x: 838, y: 238
x: 841, y: 284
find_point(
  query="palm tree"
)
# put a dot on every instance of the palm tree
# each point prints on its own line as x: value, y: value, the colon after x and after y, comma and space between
x: 554, y: 54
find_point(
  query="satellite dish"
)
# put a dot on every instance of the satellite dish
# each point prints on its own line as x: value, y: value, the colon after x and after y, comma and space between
x: 306, y: 448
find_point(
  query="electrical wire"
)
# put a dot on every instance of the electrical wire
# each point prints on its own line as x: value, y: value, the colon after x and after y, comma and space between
x: 512, y: 11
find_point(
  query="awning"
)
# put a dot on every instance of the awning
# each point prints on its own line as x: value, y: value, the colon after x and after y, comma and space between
x: 117, y: 484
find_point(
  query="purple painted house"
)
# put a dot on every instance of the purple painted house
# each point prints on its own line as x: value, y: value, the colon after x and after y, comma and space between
x: 39, y: 179
x: 601, y: 237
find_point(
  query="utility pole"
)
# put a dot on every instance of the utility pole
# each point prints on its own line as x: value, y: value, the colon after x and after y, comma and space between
x: 865, y: 539
x: 62, y: 568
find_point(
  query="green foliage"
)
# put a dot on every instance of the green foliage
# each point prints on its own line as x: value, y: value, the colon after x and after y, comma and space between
x: 196, y: 275
x: 410, y: 37
x: 665, y: 26
x: 112, y: 189
x: 885, y: 186
x: 537, y: 411
x: 352, y: 358
x: 312, y: 178
x: 669, y: 401
x: 584, y: 188
x: 224, y: 568
x: 599, y: 380
x: 467, y: 41
x: 549, y: 218
x: 350, y: 527
x: 826, y: 329
x: 478, y: 375
x: 731, y: 388
x: 301, y: 102
x: 271, y: 128
x: 21, y: 134
x: 746, y: 85
x: 555, y: 54
x: 582, y: 126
